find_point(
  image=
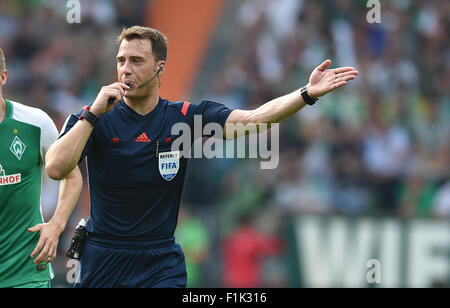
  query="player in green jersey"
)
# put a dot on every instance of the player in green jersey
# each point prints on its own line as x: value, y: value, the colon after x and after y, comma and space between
x: 27, y: 245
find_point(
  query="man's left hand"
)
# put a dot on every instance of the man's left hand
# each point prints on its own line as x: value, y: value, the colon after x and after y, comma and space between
x: 324, y: 80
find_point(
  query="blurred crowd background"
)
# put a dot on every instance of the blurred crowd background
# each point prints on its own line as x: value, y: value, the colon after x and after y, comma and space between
x: 379, y: 147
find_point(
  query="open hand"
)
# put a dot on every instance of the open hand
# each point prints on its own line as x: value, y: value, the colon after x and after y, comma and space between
x: 324, y: 80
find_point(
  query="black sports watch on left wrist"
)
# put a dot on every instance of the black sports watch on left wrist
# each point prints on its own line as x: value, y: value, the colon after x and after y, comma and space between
x: 308, y: 99
x: 88, y: 116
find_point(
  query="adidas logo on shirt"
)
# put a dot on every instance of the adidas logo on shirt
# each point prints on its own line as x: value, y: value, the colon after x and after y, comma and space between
x: 142, y: 138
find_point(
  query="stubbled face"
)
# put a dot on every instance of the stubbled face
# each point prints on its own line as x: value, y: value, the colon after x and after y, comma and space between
x: 136, y: 65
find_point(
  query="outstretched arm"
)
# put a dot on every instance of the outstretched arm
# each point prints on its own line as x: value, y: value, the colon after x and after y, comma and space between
x: 322, y: 80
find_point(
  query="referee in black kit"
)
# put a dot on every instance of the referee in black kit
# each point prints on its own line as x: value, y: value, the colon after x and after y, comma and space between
x: 136, y: 178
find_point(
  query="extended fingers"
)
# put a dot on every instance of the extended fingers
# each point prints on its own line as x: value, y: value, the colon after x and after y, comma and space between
x: 48, y: 253
x: 52, y: 257
x: 346, y: 73
x: 38, y: 247
x: 43, y: 256
x: 338, y: 84
x: 344, y: 69
x: 345, y: 76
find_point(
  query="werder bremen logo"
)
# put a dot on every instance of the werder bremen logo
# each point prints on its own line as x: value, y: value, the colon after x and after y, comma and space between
x: 17, y: 147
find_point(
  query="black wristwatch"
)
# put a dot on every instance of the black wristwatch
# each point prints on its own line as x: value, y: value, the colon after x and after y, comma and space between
x: 308, y: 99
x: 88, y: 116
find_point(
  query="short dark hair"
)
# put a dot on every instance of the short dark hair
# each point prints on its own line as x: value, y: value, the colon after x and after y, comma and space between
x: 2, y: 61
x: 158, y: 40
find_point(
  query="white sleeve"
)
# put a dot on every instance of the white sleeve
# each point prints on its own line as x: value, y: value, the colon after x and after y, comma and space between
x: 49, y: 134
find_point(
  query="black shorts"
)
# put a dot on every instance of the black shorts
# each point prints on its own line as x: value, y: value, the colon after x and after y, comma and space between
x: 107, y: 263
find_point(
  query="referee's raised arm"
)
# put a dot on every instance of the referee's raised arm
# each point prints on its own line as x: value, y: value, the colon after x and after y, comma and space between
x: 321, y: 81
x: 65, y: 153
